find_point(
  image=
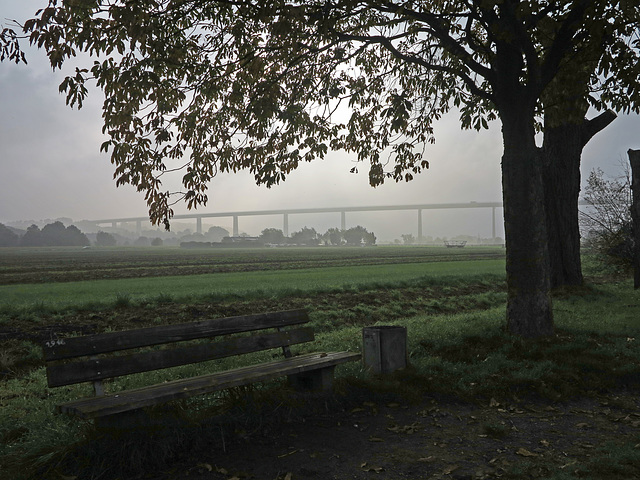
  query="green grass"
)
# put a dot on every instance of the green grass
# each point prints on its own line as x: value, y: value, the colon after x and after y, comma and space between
x: 237, y: 284
x: 456, y: 341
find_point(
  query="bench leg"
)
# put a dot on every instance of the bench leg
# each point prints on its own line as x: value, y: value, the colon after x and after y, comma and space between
x: 320, y: 380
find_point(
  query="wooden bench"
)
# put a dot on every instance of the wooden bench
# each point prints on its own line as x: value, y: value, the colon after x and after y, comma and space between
x: 95, y: 358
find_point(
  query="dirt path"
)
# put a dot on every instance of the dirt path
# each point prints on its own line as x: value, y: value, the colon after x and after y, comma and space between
x: 434, y: 440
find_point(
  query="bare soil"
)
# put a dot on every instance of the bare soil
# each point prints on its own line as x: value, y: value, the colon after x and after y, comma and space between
x: 435, y: 439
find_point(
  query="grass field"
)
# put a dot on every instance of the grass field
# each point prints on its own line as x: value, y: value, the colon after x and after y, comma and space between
x: 452, y: 303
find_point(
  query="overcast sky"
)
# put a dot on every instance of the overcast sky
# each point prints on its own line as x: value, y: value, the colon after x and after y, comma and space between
x: 51, y: 166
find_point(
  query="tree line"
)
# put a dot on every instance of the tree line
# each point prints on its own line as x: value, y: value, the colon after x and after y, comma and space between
x: 52, y: 235
x: 355, y: 236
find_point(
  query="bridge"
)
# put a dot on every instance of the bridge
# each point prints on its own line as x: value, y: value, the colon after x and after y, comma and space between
x: 305, y: 211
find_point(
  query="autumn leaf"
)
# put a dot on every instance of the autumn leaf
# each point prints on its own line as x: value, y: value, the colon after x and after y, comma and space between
x: 523, y: 452
x: 450, y: 469
x: 369, y: 468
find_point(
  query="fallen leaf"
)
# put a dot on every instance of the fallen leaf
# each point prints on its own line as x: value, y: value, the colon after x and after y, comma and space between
x: 393, y: 405
x: 582, y: 425
x: 288, y: 453
x: 408, y: 429
x: 288, y: 476
x: 544, y: 443
x: 450, y: 469
x: 206, y: 466
x: 523, y: 452
x: 376, y: 439
x: 493, y: 403
x: 370, y: 468
x: 430, y: 458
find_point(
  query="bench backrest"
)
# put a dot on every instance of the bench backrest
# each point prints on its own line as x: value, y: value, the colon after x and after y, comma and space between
x: 89, y: 363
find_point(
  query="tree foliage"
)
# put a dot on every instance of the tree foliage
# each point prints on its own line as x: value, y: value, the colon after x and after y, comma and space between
x: 273, y: 236
x: 104, y: 239
x: 606, y: 223
x: 8, y: 238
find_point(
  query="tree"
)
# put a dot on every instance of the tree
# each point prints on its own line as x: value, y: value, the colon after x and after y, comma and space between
x: 156, y: 242
x: 273, y: 236
x: 333, y: 236
x: 216, y: 234
x: 32, y: 237
x: 306, y: 236
x: 255, y: 85
x: 358, y: 236
x: 8, y: 238
x: 408, y: 239
x: 104, y: 239
x: 607, y: 221
x: 142, y: 242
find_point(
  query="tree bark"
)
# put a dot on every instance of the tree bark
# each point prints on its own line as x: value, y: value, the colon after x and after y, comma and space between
x: 634, y: 160
x: 562, y: 151
x: 529, y: 309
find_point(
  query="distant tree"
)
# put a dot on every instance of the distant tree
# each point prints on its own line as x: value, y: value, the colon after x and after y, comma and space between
x: 32, y: 237
x: 408, y: 239
x: 7, y: 237
x: 359, y: 236
x: 156, y: 242
x: 57, y: 235
x: 74, y: 237
x: 104, y: 239
x: 333, y: 236
x: 142, y: 242
x: 216, y: 234
x: 306, y: 236
x: 54, y: 234
x: 606, y: 223
x: 272, y: 235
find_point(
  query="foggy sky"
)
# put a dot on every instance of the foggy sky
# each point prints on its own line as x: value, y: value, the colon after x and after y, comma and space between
x: 51, y: 166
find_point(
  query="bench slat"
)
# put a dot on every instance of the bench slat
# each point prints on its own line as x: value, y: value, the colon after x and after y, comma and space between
x: 157, y: 394
x: 101, y: 368
x: 59, y: 349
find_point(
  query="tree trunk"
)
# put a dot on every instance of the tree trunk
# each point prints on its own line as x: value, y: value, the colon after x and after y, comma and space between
x: 529, y: 311
x: 634, y: 160
x: 562, y: 151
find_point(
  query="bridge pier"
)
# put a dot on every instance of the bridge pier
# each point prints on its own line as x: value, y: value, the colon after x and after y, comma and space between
x: 420, y: 225
x: 198, y: 224
x: 493, y: 224
x: 138, y: 228
x: 343, y: 220
x: 235, y: 226
x: 285, y: 224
